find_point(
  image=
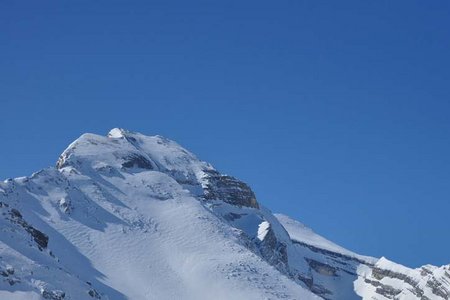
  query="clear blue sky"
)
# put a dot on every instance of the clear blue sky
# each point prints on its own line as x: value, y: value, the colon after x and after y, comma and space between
x: 335, y: 112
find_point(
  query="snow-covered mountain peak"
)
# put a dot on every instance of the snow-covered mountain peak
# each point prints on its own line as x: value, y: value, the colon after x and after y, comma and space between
x: 130, y: 216
x: 117, y: 133
x: 123, y: 150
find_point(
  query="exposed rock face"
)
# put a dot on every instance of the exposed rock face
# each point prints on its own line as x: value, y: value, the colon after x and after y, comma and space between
x: 336, y: 273
x: 8, y: 276
x: 329, y: 274
x: 137, y: 161
x: 228, y: 189
x: 53, y: 295
x: 322, y: 268
x: 273, y: 250
x: 377, y: 282
x: 393, y: 281
x: 94, y: 294
x: 39, y: 237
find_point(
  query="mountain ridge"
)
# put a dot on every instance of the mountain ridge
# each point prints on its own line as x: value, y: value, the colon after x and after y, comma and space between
x: 129, y: 216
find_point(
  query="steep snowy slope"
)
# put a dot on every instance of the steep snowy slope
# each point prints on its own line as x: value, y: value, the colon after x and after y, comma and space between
x: 125, y: 217
x: 337, y: 273
x: 129, y: 216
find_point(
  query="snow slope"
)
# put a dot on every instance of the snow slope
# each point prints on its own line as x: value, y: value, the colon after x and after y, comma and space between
x: 303, y: 234
x: 123, y: 222
x: 337, y: 273
x: 129, y: 216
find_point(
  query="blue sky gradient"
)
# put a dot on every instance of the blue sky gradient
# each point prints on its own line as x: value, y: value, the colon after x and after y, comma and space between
x: 335, y: 112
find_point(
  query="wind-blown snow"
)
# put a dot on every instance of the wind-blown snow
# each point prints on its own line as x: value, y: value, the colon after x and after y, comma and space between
x: 301, y: 233
x: 122, y: 223
x: 129, y: 216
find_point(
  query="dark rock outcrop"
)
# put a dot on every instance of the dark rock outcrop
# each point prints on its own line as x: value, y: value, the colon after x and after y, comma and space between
x: 321, y: 268
x: 94, y: 294
x: 53, y: 295
x: 137, y: 161
x: 39, y: 237
x: 228, y: 189
x: 274, y: 251
x: 439, y: 291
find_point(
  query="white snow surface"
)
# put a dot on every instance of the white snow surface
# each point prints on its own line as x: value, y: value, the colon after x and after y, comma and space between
x: 126, y: 218
x: 263, y: 229
x: 134, y: 233
x: 301, y: 233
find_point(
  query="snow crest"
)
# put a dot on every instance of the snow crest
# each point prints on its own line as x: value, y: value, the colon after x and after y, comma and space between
x: 130, y: 216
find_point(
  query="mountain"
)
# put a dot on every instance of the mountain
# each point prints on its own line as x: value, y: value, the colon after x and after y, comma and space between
x: 129, y: 216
